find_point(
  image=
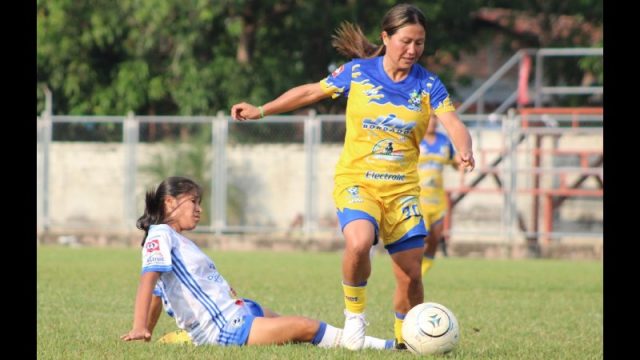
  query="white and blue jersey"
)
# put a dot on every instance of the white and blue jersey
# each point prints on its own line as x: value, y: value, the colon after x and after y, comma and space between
x: 193, y: 291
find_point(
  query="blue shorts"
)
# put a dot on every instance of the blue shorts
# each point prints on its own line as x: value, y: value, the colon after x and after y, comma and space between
x: 239, y: 336
x: 254, y: 307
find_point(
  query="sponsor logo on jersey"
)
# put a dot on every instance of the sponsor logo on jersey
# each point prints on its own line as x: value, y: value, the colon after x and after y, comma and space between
x: 337, y: 71
x: 354, y: 194
x: 152, y: 245
x: 215, y: 277
x: 384, y: 150
x: 384, y: 176
x: 155, y: 259
x: 389, y: 123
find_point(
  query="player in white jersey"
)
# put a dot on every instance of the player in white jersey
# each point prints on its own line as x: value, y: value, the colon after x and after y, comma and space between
x: 178, y: 275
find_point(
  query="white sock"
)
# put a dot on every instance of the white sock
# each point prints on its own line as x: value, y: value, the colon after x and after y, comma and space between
x: 371, y: 342
x: 331, y: 337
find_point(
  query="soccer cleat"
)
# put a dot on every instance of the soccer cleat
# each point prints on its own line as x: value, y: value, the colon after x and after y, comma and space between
x: 175, y: 337
x: 399, y: 345
x: 353, y: 333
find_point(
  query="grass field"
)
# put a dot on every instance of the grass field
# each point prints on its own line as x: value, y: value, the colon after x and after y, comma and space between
x: 507, y: 309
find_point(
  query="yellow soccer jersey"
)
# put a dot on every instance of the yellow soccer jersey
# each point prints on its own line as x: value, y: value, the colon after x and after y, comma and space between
x: 431, y: 163
x: 385, y: 122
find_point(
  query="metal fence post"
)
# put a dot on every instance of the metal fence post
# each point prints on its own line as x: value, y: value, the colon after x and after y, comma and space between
x: 311, y: 140
x: 45, y: 126
x: 220, y: 130
x: 539, y: 79
x: 130, y: 136
x: 511, y: 134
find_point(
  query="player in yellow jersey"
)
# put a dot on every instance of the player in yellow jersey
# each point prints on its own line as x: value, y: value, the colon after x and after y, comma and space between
x: 436, y: 151
x: 390, y: 98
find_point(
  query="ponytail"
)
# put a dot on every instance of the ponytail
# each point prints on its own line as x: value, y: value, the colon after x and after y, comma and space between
x: 351, y: 42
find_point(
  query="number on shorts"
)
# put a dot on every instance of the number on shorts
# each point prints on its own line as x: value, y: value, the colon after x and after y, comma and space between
x: 411, y: 210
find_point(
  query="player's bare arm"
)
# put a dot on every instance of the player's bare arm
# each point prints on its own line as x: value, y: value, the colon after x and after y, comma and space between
x: 292, y: 99
x: 460, y: 137
x: 139, y: 329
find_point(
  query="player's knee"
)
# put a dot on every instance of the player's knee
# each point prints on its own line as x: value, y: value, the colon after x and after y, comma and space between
x: 414, y: 276
x: 358, y: 246
x: 308, y: 328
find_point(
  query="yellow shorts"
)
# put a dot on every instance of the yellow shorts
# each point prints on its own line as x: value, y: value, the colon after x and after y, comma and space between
x: 433, y: 211
x: 397, y: 219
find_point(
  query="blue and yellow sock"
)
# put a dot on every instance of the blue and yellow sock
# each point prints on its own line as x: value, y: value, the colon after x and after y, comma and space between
x: 427, y: 263
x: 397, y: 327
x: 355, y: 297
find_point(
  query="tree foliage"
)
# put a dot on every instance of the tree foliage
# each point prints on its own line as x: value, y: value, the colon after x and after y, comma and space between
x: 173, y: 57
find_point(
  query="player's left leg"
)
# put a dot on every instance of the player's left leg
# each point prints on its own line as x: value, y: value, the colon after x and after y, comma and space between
x: 359, y: 213
x: 404, y: 227
x: 409, y: 290
x: 431, y: 245
x: 286, y: 329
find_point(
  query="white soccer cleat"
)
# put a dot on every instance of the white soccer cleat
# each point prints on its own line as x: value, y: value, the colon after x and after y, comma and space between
x: 353, y: 333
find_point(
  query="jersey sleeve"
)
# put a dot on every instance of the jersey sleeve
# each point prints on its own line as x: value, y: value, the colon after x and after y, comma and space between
x: 338, y: 83
x: 439, y: 96
x: 156, y: 252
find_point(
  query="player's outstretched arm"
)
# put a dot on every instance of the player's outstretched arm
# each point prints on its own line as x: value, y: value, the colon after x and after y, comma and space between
x: 460, y: 137
x: 292, y: 99
x: 155, y: 309
x: 139, y: 330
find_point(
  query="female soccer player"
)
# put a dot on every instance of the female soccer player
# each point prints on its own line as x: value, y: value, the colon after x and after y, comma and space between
x: 436, y: 151
x: 176, y: 273
x: 389, y: 100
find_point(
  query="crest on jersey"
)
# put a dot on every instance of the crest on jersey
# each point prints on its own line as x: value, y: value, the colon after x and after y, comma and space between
x: 354, y: 193
x: 237, y: 322
x: 152, y: 245
x: 415, y: 100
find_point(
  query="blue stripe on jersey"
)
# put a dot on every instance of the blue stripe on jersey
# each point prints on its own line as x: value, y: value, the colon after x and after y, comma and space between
x: 156, y: 268
x: 183, y: 275
x: 197, y: 292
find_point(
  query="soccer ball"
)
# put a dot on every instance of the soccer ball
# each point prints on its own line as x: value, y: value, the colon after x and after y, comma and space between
x: 430, y: 328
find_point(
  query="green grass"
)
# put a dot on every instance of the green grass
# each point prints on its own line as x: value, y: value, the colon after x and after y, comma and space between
x: 507, y: 309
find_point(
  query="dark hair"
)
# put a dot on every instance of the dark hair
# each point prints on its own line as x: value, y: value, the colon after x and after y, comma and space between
x: 154, y: 212
x: 351, y: 42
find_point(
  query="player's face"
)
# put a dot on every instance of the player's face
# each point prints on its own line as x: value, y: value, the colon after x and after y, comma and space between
x: 405, y: 47
x: 184, y: 212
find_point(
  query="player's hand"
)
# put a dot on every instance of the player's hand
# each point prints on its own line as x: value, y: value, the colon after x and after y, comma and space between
x: 137, y: 334
x: 467, y: 162
x: 244, y: 111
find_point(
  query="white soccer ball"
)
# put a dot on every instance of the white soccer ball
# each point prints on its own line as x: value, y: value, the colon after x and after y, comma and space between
x: 430, y: 328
